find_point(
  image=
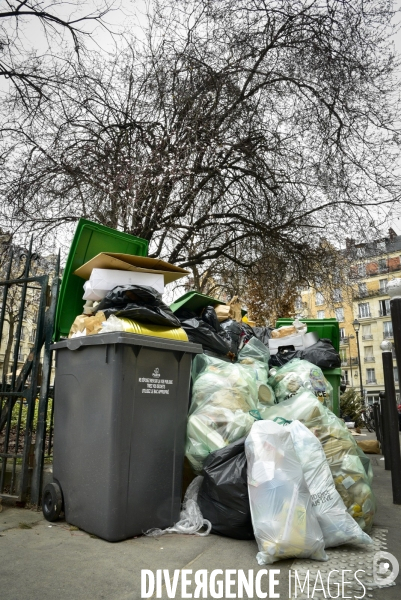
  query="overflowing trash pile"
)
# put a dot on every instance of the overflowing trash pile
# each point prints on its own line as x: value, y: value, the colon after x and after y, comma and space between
x: 272, y: 461
x: 277, y: 463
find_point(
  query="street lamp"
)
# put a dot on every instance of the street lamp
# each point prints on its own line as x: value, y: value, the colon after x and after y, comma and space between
x: 356, y: 324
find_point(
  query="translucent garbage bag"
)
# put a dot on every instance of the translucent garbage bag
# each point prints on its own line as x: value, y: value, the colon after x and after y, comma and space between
x: 337, y: 525
x: 284, y: 523
x: 297, y: 374
x: 223, y: 394
x: 191, y: 519
x: 351, y: 479
x: 255, y: 355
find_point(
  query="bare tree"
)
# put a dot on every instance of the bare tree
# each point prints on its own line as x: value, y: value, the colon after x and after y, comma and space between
x: 232, y: 131
x: 58, y: 23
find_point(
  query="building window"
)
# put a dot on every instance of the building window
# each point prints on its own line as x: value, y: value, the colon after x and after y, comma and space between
x: 396, y: 374
x: 32, y: 336
x: 319, y: 299
x: 298, y: 303
x: 362, y: 289
x: 320, y: 314
x: 339, y: 314
x: 337, y: 295
x: 387, y: 329
x: 366, y: 332
x: 393, y: 351
x: 361, y: 270
x: 382, y: 265
x: 370, y: 376
x: 383, y: 285
x: 364, y: 310
x: 346, y: 380
x: 369, y: 354
x: 342, y: 333
x: 343, y: 356
x: 384, y: 308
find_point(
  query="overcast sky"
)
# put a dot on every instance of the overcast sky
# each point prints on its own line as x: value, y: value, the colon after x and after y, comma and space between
x: 128, y: 14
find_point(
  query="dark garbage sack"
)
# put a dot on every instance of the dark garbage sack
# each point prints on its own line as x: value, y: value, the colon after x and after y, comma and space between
x: 322, y: 354
x: 140, y: 303
x: 200, y: 332
x: 223, y: 496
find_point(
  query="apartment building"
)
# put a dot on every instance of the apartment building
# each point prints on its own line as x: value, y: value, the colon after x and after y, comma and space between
x: 363, y: 296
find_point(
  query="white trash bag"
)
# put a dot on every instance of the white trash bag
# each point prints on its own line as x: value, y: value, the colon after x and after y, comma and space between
x: 284, y: 523
x: 337, y: 525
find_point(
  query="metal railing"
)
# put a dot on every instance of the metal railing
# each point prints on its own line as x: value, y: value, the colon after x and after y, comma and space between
x: 24, y: 406
x: 344, y: 340
x: 370, y: 381
x: 388, y: 335
x: 369, y: 359
x: 367, y: 336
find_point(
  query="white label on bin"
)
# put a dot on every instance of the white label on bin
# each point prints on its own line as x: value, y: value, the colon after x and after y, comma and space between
x: 155, y: 386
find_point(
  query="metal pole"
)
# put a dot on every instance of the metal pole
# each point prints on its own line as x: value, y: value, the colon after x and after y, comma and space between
x: 392, y: 433
x: 395, y: 308
x: 376, y: 416
x: 360, y: 365
x: 384, y: 431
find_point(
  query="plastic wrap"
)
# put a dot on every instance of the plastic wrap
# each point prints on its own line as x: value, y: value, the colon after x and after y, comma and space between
x: 343, y: 455
x: 191, y: 519
x: 284, y: 522
x: 223, y: 496
x: 140, y: 303
x: 222, y: 396
x: 337, y: 525
x: 298, y: 375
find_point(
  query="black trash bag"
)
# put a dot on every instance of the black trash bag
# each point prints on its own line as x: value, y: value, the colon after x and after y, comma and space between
x: 231, y: 331
x: 182, y: 314
x: 140, y: 303
x: 282, y: 358
x: 247, y: 333
x: 209, y: 316
x: 322, y: 354
x: 263, y: 334
x: 200, y: 332
x: 223, y: 496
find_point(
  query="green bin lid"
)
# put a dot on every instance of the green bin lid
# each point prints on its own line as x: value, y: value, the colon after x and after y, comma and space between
x: 89, y: 240
x: 194, y: 301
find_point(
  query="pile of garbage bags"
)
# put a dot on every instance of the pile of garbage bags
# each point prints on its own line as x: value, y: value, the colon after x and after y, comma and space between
x: 226, y: 399
x: 297, y: 375
x: 351, y: 473
x: 277, y: 464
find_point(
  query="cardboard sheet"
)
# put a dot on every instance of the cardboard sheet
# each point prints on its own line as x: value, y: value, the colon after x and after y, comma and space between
x: 129, y: 262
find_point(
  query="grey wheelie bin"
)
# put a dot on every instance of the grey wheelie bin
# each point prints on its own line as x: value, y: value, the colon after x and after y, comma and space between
x: 121, y: 403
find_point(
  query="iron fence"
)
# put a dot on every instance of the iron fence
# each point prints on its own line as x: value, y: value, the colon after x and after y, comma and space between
x: 28, y: 301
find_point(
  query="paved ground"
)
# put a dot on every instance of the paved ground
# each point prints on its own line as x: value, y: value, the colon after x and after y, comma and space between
x: 58, y: 562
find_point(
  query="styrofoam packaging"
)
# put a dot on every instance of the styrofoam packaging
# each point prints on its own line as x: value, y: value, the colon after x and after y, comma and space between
x: 102, y: 281
x: 290, y: 340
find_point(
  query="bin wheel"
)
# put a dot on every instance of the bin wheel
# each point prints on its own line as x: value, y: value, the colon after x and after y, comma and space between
x: 52, y: 502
